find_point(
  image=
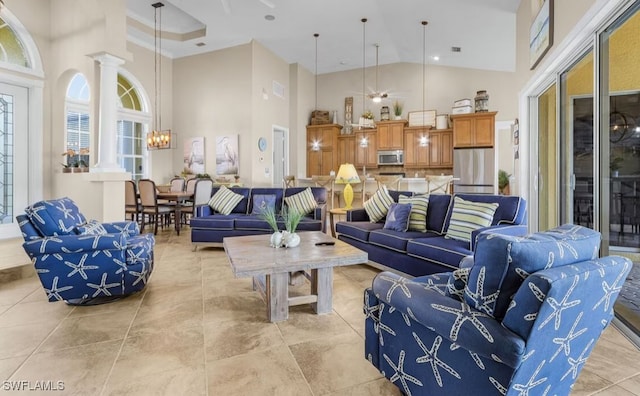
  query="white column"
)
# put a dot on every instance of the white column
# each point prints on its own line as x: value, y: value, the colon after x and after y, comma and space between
x: 107, y: 143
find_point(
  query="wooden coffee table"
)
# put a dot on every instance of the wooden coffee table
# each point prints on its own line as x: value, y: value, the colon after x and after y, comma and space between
x: 270, y: 268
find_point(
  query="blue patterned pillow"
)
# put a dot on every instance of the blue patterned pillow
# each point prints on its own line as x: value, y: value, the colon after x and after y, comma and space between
x: 398, y: 217
x: 55, y: 217
x: 262, y: 202
x: 91, y: 227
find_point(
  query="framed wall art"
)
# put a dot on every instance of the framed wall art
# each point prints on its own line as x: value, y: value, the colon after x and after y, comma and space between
x: 227, y: 159
x: 194, y: 155
x: 541, y: 33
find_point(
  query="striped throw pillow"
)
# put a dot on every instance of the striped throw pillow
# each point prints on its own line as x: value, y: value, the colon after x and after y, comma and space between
x: 418, y: 217
x: 224, y: 200
x: 303, y: 202
x: 378, y: 205
x: 468, y: 216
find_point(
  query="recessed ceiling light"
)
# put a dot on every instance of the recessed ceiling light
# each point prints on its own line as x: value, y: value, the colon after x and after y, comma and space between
x: 200, y: 44
x: 344, y: 63
x: 269, y: 17
x: 435, y: 58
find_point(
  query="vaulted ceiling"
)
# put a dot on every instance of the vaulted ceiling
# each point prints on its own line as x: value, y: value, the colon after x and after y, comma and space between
x: 483, y: 30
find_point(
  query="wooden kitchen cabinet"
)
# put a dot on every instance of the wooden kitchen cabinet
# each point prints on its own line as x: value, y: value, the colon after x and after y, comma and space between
x: 438, y: 153
x: 391, y: 134
x: 474, y: 130
x: 441, y: 148
x: 346, y: 149
x: 416, y: 156
x: 322, y: 149
x: 366, y: 155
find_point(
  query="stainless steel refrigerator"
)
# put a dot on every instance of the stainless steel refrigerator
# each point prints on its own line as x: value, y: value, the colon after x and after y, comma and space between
x: 474, y: 169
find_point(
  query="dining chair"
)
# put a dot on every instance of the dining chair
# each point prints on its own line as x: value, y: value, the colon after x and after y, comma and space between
x: 439, y: 184
x: 201, y: 195
x: 177, y: 184
x: 191, y: 185
x: 328, y: 182
x: 392, y: 182
x: 151, y: 209
x: 289, y: 181
x: 132, y: 206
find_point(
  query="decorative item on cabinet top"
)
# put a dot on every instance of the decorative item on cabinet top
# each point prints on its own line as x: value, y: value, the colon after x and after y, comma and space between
x: 384, y: 113
x: 422, y: 118
x: 320, y: 117
x: 482, y: 101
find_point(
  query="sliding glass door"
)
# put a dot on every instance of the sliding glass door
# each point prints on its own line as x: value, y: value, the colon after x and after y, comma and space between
x: 619, y: 137
x: 577, y: 143
x: 547, y: 179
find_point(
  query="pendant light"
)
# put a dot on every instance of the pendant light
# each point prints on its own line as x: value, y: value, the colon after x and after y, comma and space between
x: 377, y: 96
x: 316, y: 35
x: 364, y: 22
x: 424, y: 140
x: 424, y: 52
x: 157, y: 138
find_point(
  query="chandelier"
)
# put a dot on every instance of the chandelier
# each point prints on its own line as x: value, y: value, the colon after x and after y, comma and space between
x: 157, y: 138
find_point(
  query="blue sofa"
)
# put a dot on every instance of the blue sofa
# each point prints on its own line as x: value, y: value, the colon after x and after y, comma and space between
x: 209, y: 228
x: 423, y: 253
x: 84, y: 262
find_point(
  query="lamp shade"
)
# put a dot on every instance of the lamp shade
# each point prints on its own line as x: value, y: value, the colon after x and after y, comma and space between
x: 347, y: 174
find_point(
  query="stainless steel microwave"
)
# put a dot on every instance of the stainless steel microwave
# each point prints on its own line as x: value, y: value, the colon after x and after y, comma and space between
x: 392, y: 157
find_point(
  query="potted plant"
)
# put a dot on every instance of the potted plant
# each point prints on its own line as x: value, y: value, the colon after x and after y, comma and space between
x: 366, y: 119
x: 291, y: 220
x: 397, y: 110
x: 503, y: 182
x: 268, y: 214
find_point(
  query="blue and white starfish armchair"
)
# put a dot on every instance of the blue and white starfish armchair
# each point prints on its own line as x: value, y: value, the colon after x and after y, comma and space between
x: 520, y: 318
x: 84, y: 262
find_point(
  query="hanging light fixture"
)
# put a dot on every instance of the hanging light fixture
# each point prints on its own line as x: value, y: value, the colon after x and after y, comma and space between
x: 157, y: 138
x: 377, y: 96
x: 366, y: 119
x: 316, y: 36
x: 364, y: 22
x: 424, y: 51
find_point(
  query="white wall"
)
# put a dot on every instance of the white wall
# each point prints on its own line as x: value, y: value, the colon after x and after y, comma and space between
x: 267, y: 110
x: 212, y: 96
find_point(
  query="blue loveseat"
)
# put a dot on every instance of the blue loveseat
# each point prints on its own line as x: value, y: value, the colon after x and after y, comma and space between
x: 422, y: 253
x: 209, y: 228
x: 84, y: 262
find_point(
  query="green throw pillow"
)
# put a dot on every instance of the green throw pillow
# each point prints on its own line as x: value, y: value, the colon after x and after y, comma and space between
x: 378, y: 205
x: 303, y: 202
x: 468, y: 216
x: 224, y: 200
x: 418, y: 217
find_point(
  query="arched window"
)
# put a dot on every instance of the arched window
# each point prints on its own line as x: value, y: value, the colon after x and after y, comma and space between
x: 78, y: 137
x: 12, y: 50
x: 133, y: 123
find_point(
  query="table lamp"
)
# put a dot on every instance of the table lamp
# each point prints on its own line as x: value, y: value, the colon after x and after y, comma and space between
x: 347, y: 174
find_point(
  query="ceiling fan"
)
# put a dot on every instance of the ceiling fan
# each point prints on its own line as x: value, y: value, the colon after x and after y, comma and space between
x: 377, y: 96
x: 227, y: 6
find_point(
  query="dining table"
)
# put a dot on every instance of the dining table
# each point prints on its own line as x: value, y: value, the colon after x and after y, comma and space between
x: 179, y: 197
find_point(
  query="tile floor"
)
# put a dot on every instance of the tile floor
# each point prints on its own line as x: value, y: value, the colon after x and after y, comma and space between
x: 196, y: 330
